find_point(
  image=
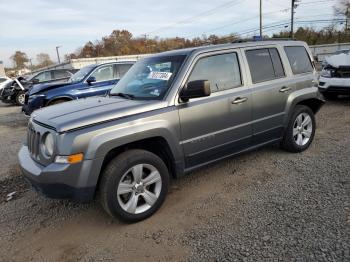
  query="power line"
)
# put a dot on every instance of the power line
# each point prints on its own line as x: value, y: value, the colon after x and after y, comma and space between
x: 281, y: 24
x: 239, y: 22
x: 200, y: 15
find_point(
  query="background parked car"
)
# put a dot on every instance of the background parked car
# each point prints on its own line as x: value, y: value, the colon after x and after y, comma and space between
x: 92, y: 80
x: 3, y: 82
x: 335, y: 76
x: 15, y: 92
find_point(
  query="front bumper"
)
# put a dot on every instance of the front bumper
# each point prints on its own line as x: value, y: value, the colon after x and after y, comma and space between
x: 333, y: 85
x: 8, y: 95
x: 32, y: 104
x: 62, y: 181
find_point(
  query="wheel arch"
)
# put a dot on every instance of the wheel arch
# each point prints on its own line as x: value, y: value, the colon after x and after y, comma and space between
x: 53, y: 99
x: 309, y: 97
x: 157, y: 145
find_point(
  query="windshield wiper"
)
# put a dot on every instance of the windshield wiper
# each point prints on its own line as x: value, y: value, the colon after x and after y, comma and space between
x: 124, y: 95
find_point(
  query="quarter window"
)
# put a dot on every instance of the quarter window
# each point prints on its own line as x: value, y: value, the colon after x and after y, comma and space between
x: 103, y: 73
x: 222, y: 71
x: 264, y: 64
x: 299, y: 59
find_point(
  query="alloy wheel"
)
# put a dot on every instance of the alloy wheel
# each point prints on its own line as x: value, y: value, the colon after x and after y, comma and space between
x: 139, y: 188
x: 302, y: 129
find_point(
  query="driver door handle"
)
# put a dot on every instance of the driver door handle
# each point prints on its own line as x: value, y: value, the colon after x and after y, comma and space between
x: 285, y: 89
x: 239, y: 100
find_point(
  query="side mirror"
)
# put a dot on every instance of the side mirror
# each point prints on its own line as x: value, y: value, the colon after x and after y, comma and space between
x: 91, y: 79
x: 35, y: 81
x: 195, y: 89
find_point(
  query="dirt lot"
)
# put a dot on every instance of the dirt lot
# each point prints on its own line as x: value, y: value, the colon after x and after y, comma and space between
x: 263, y: 205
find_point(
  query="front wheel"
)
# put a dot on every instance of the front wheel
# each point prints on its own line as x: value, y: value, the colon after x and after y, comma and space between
x: 20, y: 98
x: 300, y: 130
x: 134, y: 185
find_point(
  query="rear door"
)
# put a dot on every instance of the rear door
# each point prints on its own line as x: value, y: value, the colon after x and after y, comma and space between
x: 271, y: 87
x: 304, y: 73
x: 219, y: 125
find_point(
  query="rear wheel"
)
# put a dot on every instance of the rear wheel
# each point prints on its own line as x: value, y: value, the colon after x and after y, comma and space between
x: 20, y: 98
x: 300, y: 130
x: 134, y: 185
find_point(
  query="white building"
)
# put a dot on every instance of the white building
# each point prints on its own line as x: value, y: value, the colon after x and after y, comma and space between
x: 81, y: 62
x: 2, y: 69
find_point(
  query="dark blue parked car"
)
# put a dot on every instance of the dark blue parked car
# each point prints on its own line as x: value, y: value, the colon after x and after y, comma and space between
x: 92, y: 80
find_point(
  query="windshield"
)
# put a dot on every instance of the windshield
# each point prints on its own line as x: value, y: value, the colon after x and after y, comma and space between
x: 78, y: 76
x: 149, y: 78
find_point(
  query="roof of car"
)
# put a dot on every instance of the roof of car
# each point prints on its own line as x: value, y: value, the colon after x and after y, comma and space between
x: 188, y: 51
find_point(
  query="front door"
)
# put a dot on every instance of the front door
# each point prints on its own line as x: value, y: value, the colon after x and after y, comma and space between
x: 219, y: 125
x: 105, y: 80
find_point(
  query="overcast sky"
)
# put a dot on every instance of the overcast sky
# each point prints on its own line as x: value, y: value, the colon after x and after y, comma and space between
x: 40, y: 25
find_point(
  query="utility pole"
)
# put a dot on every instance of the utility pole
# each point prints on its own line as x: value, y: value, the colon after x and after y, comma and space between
x: 346, y: 19
x: 261, y: 34
x: 31, y: 64
x: 58, y: 55
x: 292, y: 12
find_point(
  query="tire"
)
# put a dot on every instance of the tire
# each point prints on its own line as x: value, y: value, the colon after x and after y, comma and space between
x: 298, y: 138
x: 20, y: 98
x: 330, y: 96
x: 120, y: 174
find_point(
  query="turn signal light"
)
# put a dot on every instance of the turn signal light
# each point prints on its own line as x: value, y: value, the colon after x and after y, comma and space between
x: 71, y: 159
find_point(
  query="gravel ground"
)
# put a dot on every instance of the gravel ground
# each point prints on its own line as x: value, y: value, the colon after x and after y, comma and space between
x: 267, y: 205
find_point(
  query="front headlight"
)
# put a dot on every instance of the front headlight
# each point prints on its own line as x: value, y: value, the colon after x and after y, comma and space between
x: 326, y: 73
x: 48, y: 145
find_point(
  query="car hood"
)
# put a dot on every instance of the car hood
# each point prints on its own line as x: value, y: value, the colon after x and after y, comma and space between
x: 337, y: 61
x: 90, y: 111
x: 44, y: 87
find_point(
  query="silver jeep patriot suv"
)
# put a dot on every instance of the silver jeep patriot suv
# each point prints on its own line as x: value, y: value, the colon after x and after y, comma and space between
x: 171, y: 113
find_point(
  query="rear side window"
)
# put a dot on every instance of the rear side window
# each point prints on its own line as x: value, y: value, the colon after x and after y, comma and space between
x: 58, y: 74
x: 121, y: 69
x: 264, y: 64
x: 299, y: 59
x: 44, y: 76
x: 222, y: 71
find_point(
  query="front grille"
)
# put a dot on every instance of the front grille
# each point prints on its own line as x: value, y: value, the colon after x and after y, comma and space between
x: 33, y: 140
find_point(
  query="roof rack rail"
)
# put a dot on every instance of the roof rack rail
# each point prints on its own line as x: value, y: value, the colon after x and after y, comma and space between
x: 243, y: 40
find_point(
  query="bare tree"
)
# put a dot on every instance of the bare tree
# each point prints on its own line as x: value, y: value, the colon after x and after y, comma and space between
x: 342, y: 9
x: 19, y: 59
x: 43, y: 60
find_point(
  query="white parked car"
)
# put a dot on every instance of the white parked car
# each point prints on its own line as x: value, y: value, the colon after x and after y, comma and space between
x: 335, y: 76
x: 3, y: 81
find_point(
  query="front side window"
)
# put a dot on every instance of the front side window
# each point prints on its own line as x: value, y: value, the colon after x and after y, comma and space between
x: 149, y: 78
x: 44, y: 76
x: 81, y: 74
x: 264, y: 64
x: 103, y: 73
x: 299, y: 59
x: 222, y: 71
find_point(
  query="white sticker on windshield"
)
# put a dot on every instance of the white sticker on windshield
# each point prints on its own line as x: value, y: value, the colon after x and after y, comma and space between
x: 160, y: 75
